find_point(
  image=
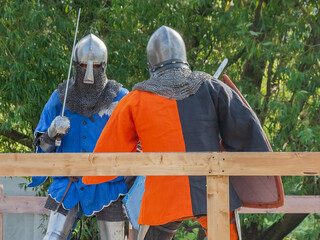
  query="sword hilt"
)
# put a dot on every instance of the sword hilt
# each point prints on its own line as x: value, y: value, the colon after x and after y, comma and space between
x: 57, y: 142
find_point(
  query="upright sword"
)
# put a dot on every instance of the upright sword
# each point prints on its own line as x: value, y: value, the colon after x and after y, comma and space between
x: 70, y: 65
x: 58, y: 139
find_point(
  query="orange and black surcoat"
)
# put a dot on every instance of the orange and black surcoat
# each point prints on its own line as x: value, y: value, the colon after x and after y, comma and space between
x: 194, y: 124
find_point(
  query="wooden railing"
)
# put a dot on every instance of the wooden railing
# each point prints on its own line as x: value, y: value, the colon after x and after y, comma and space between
x: 216, y: 166
x: 29, y: 205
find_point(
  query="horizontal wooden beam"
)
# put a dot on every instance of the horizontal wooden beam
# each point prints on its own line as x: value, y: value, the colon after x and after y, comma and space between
x: 270, y: 163
x: 22, y: 204
x: 35, y: 205
x: 292, y: 204
x: 131, y: 164
x: 80, y: 164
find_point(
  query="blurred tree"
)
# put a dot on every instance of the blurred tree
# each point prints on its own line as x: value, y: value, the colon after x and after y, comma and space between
x: 273, y: 47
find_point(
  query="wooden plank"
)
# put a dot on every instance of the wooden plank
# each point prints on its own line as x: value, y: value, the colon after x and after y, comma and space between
x: 270, y: 163
x: 129, y: 164
x: 292, y: 204
x: 23, y: 204
x: 35, y: 205
x: 218, y: 207
x: 130, y: 232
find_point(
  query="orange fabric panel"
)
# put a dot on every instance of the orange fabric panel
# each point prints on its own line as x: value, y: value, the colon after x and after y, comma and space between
x: 97, y: 179
x: 166, y: 198
x: 233, y: 226
x: 158, y: 124
x: 118, y: 135
x: 154, y: 121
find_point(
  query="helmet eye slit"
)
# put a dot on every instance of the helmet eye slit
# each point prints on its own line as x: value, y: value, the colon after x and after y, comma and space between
x: 94, y: 65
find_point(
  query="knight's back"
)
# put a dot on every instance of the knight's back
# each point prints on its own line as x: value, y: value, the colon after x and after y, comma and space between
x: 187, y: 125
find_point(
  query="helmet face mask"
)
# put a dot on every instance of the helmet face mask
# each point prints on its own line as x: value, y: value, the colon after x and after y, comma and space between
x: 89, y: 91
x: 165, y: 47
x: 91, y: 53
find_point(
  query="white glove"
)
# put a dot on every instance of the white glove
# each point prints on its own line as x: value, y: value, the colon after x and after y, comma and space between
x: 59, y: 127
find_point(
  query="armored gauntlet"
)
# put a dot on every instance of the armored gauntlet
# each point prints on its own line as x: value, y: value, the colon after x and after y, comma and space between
x: 58, y: 128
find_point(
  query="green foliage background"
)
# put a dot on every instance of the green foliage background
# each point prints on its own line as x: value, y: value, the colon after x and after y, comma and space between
x: 272, y: 46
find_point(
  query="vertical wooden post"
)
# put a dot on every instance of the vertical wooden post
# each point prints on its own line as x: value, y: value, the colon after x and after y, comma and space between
x: 218, y: 207
x: 1, y: 214
x: 130, y: 232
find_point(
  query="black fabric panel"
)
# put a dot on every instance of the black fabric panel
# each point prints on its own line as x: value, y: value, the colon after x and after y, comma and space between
x: 234, y: 198
x: 201, y: 122
x: 198, y: 190
x: 240, y: 128
x: 199, y: 196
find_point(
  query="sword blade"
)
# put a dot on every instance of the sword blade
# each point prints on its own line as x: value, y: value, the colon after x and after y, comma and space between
x: 68, y: 79
x: 58, y: 139
x: 220, y: 68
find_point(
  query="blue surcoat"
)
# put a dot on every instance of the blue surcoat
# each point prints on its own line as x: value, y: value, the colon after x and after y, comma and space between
x: 82, y: 137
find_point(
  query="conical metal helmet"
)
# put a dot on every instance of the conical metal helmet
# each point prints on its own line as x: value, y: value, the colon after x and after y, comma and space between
x: 90, y: 50
x: 165, y: 46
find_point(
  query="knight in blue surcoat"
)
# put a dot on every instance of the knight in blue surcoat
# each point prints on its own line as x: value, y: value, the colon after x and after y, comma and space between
x: 91, y: 98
